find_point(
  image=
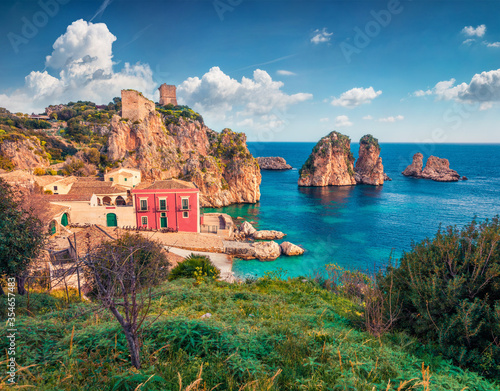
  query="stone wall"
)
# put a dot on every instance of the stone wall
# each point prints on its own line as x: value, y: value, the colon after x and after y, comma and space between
x: 135, y: 106
x: 168, y: 95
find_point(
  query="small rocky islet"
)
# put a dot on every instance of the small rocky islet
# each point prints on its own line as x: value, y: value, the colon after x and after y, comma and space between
x: 273, y: 163
x: 331, y: 163
x: 436, y: 169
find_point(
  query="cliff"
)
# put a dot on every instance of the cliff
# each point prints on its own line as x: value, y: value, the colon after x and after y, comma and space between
x: 273, y: 163
x: 330, y: 163
x: 369, y: 169
x: 22, y: 152
x: 218, y: 163
x: 436, y: 169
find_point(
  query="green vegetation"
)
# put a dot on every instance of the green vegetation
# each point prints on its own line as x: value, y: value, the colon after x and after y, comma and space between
x: 267, y: 334
x: 368, y: 140
x: 229, y: 145
x: 449, y: 293
x: 171, y: 114
x: 194, y: 266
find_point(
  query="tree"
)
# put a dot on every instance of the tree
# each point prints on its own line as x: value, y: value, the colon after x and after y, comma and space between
x: 22, y: 237
x: 123, y: 274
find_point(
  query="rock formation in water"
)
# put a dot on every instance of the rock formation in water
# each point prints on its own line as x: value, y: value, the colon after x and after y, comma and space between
x: 369, y: 169
x: 436, y: 169
x: 415, y: 168
x: 273, y: 163
x: 331, y: 163
x: 22, y: 152
x: 218, y: 163
x: 268, y: 235
x: 291, y: 249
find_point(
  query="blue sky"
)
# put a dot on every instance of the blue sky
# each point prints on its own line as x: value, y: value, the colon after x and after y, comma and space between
x: 423, y: 71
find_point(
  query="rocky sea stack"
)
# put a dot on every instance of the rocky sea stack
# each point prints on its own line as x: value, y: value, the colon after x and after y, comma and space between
x: 163, y: 146
x: 273, y: 163
x: 369, y: 169
x: 331, y: 163
x: 436, y: 169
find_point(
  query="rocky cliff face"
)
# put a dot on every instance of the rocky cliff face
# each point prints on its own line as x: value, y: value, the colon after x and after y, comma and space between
x: 436, y: 169
x: 330, y: 163
x: 369, y: 169
x: 22, y: 152
x: 273, y: 163
x: 218, y: 163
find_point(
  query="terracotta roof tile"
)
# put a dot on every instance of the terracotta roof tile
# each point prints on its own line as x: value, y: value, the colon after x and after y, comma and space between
x: 167, y: 184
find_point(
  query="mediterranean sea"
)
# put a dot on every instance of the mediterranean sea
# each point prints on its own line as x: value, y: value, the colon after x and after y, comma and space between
x: 359, y: 227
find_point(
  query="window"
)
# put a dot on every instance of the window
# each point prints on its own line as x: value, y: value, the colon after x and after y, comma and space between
x: 144, y: 220
x: 185, y: 203
x: 55, y: 187
x: 163, y: 204
x: 125, y: 179
x: 111, y: 179
x: 144, y: 204
x: 185, y: 214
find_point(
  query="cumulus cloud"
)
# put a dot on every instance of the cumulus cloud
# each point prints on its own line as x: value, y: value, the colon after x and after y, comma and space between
x: 283, y: 72
x: 356, y: 97
x: 321, y: 36
x: 478, y: 31
x: 484, y: 88
x: 342, y: 121
x: 391, y: 119
x: 492, y: 44
x: 367, y: 117
x: 82, y: 61
x: 219, y: 97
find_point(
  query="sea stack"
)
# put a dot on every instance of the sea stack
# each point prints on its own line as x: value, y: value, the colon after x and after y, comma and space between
x: 273, y: 163
x: 369, y: 169
x: 436, y: 169
x: 331, y: 163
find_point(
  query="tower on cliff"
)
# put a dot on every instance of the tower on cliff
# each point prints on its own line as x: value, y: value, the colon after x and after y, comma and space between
x: 168, y: 95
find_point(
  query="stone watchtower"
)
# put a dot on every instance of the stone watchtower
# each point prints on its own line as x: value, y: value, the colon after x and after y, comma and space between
x: 168, y: 95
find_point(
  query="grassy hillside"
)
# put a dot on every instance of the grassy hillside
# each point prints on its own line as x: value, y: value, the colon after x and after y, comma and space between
x: 266, y: 334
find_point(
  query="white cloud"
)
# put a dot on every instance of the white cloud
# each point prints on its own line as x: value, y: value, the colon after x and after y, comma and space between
x: 356, y: 97
x: 367, y: 117
x: 391, y: 119
x: 324, y: 119
x: 82, y: 60
x: 420, y: 93
x: 101, y: 9
x: 484, y: 88
x: 492, y: 44
x: 221, y: 98
x: 283, y: 72
x: 342, y: 120
x: 478, y: 31
x: 321, y: 36
x: 469, y: 41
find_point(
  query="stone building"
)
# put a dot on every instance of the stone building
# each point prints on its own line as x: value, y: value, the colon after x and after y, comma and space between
x: 135, y: 107
x: 168, y: 94
x: 126, y: 177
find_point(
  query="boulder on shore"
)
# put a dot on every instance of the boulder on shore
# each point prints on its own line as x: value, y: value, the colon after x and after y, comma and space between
x: 291, y: 249
x: 369, y: 168
x: 268, y: 235
x: 436, y: 169
x: 247, y: 229
x: 266, y: 251
x: 273, y: 163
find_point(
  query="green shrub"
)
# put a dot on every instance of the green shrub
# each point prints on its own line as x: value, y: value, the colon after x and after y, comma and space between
x: 449, y: 290
x: 190, y: 268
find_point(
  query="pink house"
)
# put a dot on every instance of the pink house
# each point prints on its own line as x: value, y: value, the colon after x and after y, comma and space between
x: 173, y: 204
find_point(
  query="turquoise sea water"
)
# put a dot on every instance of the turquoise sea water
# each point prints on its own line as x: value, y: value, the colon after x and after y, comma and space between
x: 359, y: 226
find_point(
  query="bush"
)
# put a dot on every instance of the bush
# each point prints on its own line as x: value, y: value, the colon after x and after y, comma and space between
x: 39, y: 171
x: 190, y: 268
x: 449, y: 288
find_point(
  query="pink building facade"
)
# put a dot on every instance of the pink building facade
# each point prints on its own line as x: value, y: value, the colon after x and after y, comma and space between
x: 173, y: 204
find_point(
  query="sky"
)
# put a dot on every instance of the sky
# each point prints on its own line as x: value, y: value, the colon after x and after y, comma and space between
x: 278, y: 70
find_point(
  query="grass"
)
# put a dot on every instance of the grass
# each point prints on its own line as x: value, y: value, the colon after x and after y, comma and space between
x: 265, y: 335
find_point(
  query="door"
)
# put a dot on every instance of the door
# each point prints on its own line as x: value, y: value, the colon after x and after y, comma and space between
x: 64, y: 220
x: 163, y: 220
x: 111, y: 220
x: 53, y: 228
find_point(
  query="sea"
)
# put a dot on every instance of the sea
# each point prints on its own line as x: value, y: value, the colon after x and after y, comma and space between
x: 365, y: 227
